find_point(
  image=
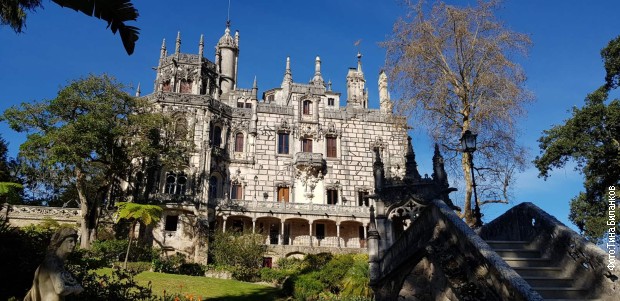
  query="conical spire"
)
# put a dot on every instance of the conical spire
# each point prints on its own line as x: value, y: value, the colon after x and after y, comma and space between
x: 359, y: 62
x: 162, y: 54
x: 317, y: 79
x: 439, y: 172
x: 177, y: 47
x: 288, y: 75
x: 201, y: 46
x: 138, y: 90
x: 254, y: 89
x: 411, y: 166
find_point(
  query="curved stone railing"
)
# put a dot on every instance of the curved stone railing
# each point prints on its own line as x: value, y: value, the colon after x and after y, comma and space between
x: 579, y: 258
x: 439, y: 233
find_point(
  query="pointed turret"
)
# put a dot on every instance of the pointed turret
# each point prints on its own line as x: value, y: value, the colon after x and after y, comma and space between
x: 226, y: 55
x: 162, y: 53
x: 411, y: 166
x: 201, y: 46
x: 138, y: 90
x: 177, y: 47
x: 385, y: 103
x: 356, y: 91
x: 317, y: 80
x: 288, y: 75
x: 439, y: 172
x: 254, y: 90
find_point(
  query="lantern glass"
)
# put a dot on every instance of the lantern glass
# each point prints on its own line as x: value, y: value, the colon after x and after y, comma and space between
x: 468, y: 142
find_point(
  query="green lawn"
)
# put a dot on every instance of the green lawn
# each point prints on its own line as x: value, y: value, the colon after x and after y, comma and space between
x: 206, y: 288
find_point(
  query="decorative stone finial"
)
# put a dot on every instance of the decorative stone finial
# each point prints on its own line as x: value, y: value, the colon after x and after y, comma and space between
x: 411, y: 166
x: 288, y: 76
x: 317, y: 79
x: 329, y: 85
x: 439, y: 172
x: 162, y: 54
x: 177, y: 48
x: 254, y: 89
x: 359, y: 62
x: 201, y: 46
x: 138, y: 90
x: 378, y: 170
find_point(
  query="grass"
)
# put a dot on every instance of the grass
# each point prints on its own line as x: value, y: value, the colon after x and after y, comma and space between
x: 206, y: 288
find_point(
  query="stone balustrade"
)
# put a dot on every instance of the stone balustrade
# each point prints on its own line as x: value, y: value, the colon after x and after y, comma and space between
x: 293, y: 208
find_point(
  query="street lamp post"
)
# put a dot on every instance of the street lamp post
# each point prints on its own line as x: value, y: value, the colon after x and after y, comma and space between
x: 468, y: 143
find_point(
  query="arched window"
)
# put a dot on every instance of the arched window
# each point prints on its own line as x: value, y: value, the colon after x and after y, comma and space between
x: 175, y: 183
x: 239, y: 142
x: 186, y: 86
x: 307, y: 107
x: 166, y: 87
x: 180, y: 128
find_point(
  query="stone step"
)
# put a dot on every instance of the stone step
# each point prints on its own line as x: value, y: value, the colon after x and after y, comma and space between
x: 538, y: 271
x: 527, y: 262
x: 518, y: 253
x: 543, y: 281
x: 509, y: 244
x: 561, y: 292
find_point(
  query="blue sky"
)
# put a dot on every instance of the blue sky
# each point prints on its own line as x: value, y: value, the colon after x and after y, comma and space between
x: 562, y: 67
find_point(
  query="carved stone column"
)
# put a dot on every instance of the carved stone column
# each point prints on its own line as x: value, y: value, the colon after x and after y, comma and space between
x: 338, y: 233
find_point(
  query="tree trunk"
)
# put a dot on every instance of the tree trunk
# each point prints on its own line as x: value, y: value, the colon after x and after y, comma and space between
x: 84, y: 210
x: 131, y: 230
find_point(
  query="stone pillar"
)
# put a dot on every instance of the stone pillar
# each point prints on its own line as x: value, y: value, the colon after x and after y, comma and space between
x: 253, y: 226
x: 281, y: 242
x: 310, y: 232
x: 224, y: 226
x: 338, y: 233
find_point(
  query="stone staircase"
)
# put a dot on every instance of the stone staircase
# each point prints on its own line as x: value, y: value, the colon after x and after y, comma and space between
x: 541, y: 274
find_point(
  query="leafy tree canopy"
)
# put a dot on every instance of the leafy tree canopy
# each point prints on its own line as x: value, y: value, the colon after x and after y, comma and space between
x: 115, y: 12
x: 590, y: 137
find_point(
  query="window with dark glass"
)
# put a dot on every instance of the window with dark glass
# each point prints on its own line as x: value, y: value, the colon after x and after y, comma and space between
x: 216, y: 135
x: 240, y: 105
x: 306, y: 145
x: 248, y: 105
x: 283, y: 143
x: 236, y: 192
x: 239, y: 142
x: 171, y: 222
x: 307, y: 107
x: 283, y: 193
x: 332, y: 148
x: 175, y: 183
x: 362, y: 200
x: 330, y: 102
x: 332, y: 196
x: 213, y: 187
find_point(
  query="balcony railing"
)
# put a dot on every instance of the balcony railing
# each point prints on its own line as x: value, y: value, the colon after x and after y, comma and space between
x: 284, y: 207
x: 309, y: 160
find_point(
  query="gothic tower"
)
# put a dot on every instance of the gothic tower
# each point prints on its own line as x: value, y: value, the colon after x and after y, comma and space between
x: 226, y: 58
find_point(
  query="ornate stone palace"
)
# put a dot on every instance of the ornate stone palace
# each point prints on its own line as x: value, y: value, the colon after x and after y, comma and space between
x: 293, y: 164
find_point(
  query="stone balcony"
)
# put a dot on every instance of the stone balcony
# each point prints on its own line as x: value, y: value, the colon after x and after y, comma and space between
x: 313, y: 161
x: 291, y: 208
x: 219, y: 152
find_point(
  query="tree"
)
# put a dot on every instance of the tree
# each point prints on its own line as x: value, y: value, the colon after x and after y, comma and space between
x: 454, y: 71
x: 242, y: 251
x: 145, y: 214
x: 114, y: 12
x: 590, y: 137
x: 93, y: 137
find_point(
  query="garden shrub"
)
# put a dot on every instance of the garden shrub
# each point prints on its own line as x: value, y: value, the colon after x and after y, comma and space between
x: 137, y: 267
x: 192, y: 269
x: 114, y: 250
x: 307, y: 287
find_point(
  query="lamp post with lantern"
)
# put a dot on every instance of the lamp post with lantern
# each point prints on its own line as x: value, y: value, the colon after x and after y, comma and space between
x: 468, y: 145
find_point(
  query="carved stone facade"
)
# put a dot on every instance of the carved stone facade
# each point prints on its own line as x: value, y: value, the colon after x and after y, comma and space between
x: 294, y: 164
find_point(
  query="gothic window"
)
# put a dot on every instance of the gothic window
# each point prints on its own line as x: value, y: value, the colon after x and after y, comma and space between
x: 186, y: 86
x: 236, y: 191
x: 180, y: 129
x: 330, y: 102
x: 166, y: 87
x: 362, y: 199
x: 283, y: 193
x: 332, y: 196
x: 306, y: 145
x: 248, y: 105
x: 216, y: 136
x: 171, y: 222
x: 175, y: 183
x: 239, y: 142
x: 307, y: 107
x: 283, y: 143
x: 270, y: 98
x: 240, y: 105
x: 332, y: 148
